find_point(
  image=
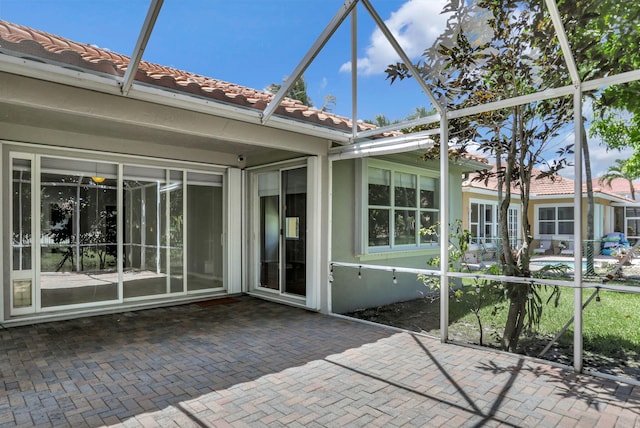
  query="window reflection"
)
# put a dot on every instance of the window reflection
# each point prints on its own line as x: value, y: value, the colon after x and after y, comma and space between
x: 78, y: 220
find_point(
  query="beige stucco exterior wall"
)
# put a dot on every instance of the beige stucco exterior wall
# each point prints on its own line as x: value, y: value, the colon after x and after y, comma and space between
x: 469, y: 194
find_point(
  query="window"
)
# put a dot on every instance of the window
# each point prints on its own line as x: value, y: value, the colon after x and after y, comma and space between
x: 400, y: 203
x: 632, y: 220
x: 89, y: 233
x: 483, y: 222
x: 556, y: 220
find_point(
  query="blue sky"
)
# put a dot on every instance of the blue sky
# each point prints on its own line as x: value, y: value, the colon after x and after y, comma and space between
x: 258, y: 42
x: 255, y: 42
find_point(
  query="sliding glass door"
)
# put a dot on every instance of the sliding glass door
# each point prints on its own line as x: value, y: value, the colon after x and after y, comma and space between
x: 78, y: 239
x: 87, y: 233
x: 282, y: 230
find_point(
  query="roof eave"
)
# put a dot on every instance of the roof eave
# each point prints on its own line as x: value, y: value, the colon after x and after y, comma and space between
x: 109, y: 84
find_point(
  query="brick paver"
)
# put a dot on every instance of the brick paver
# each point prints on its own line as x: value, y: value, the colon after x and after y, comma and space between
x: 252, y: 363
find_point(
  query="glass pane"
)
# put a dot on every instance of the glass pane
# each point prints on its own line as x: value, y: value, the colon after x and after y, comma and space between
x: 474, y: 213
x: 633, y: 228
x: 379, y: 187
x: 78, y: 233
x: 405, y: 227
x: 565, y: 213
x: 176, y: 267
x: 405, y: 190
x: 378, y: 227
x: 21, y: 240
x: 269, y: 230
x: 547, y: 228
x: 22, y: 293
x: 428, y: 192
x: 295, y: 195
x: 547, y: 213
x: 488, y: 213
x: 427, y: 220
x: 144, y: 261
x: 204, y: 233
x: 565, y: 227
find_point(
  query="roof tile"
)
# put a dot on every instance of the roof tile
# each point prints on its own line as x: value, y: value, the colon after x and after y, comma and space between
x: 39, y: 45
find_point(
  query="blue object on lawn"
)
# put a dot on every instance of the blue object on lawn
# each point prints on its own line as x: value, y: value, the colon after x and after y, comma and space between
x: 612, y: 242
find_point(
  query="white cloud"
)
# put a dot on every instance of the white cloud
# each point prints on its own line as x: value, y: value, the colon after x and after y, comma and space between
x: 415, y: 25
x: 601, y: 158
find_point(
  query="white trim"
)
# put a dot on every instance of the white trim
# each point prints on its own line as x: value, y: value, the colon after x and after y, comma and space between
x: 313, y: 245
x: 35, y: 225
x: 110, y: 157
x: 362, y: 206
x: 120, y: 162
x: 26, y: 274
x: 314, y: 238
x: 536, y: 219
x: 120, y: 231
x: 233, y: 232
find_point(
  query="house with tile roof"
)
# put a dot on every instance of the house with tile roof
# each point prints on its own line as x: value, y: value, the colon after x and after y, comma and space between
x: 619, y: 186
x: 164, y: 187
x: 550, y: 213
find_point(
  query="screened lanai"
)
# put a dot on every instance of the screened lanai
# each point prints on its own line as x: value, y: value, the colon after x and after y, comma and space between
x: 484, y: 71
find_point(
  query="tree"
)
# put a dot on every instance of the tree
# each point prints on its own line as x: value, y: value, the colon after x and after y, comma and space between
x: 490, y: 51
x: 297, y: 92
x: 605, y: 40
x: 620, y: 171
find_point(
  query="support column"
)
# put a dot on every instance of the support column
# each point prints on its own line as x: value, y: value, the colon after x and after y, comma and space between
x: 444, y: 228
x: 577, y: 231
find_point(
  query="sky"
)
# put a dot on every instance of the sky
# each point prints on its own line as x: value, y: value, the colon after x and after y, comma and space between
x: 256, y: 43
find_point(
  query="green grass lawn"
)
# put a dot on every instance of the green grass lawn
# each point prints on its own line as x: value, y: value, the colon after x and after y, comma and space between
x: 611, y: 327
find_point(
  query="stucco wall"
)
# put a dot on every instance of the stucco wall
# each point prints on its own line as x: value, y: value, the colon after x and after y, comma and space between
x: 376, y: 287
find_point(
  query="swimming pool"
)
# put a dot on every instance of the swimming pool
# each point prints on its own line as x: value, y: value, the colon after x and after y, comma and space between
x: 570, y: 264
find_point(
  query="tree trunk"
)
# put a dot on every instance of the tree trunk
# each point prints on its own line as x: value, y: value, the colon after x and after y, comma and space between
x: 517, y: 295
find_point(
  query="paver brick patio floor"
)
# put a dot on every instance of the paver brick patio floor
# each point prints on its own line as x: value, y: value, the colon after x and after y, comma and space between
x: 248, y: 362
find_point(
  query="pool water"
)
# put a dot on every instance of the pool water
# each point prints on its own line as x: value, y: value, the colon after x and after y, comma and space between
x: 568, y: 263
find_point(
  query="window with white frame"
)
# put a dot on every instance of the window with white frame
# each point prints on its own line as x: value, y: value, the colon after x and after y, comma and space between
x: 555, y: 220
x: 483, y: 222
x: 632, y: 222
x: 400, y: 203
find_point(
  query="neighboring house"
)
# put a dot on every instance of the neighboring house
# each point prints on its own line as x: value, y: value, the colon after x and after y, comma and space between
x: 174, y: 190
x: 551, y: 213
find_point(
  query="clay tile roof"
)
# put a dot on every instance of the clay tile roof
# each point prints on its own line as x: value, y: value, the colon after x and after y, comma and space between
x: 543, y: 186
x: 28, y: 42
x: 540, y: 187
x: 618, y: 186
